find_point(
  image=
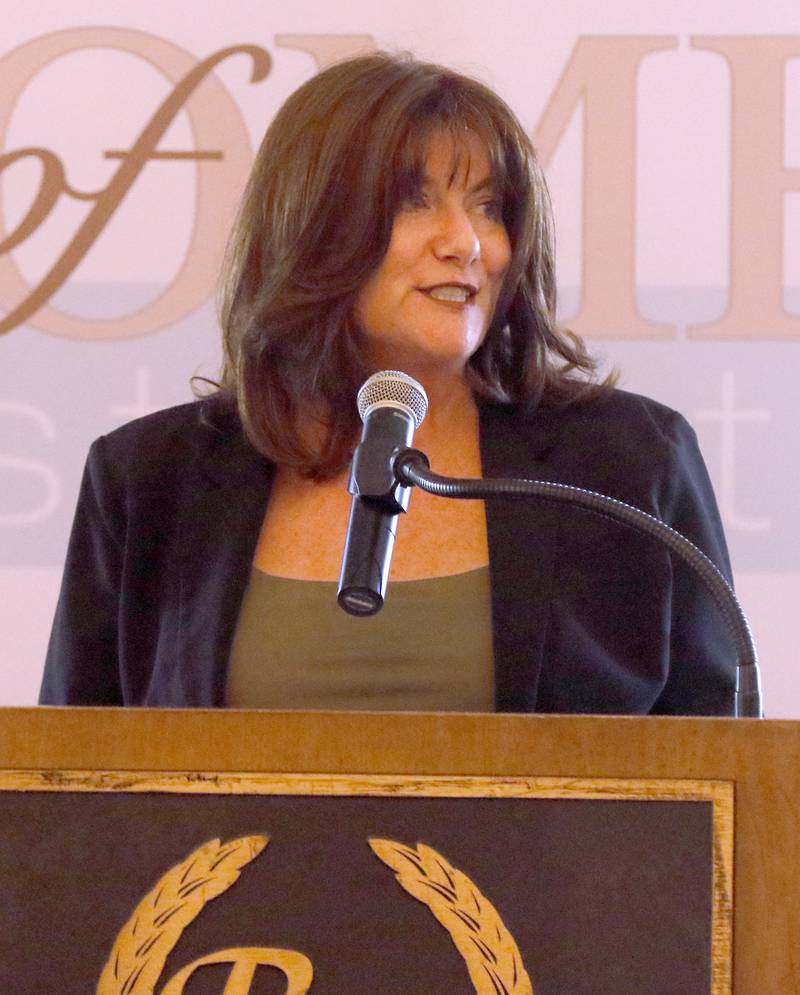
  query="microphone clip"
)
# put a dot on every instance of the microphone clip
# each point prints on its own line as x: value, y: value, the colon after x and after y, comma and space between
x: 372, y: 472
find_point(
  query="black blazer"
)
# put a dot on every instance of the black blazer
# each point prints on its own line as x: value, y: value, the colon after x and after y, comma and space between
x: 587, y: 615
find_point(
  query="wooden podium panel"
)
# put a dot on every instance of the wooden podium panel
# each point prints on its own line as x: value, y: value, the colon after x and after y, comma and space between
x: 667, y: 780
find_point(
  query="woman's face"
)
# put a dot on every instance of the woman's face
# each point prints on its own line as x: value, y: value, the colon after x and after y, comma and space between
x: 430, y: 302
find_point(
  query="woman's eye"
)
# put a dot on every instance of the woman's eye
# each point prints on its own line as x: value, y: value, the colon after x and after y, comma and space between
x: 492, y: 209
x: 414, y: 200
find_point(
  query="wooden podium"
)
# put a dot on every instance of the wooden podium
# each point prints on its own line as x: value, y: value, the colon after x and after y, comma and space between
x: 234, y: 852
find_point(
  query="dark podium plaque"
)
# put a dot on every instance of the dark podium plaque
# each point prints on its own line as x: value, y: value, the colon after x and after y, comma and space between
x: 212, y: 882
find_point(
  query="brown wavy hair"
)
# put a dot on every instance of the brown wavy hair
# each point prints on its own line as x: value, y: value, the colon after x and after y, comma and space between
x: 342, y: 154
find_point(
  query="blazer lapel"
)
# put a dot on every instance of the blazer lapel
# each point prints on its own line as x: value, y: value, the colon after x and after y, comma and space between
x: 522, y: 544
x: 225, y: 505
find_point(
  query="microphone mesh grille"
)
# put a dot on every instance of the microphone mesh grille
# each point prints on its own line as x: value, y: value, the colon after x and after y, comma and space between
x: 397, y: 387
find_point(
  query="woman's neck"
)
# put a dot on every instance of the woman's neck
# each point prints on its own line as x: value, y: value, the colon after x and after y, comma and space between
x: 450, y: 429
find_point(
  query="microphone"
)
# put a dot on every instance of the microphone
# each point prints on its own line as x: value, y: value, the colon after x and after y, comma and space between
x: 392, y: 405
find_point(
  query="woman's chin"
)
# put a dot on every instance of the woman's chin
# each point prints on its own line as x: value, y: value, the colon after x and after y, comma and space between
x: 444, y: 361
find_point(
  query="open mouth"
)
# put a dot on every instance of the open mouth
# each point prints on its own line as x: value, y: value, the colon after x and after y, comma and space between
x: 451, y: 293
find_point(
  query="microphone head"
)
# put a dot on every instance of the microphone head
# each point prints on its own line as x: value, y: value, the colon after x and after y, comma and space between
x: 391, y: 388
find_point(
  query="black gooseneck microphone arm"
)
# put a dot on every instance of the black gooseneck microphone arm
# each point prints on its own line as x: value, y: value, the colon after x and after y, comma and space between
x: 412, y: 468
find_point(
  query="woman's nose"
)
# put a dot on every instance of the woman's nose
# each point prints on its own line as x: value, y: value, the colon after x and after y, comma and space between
x: 455, y: 237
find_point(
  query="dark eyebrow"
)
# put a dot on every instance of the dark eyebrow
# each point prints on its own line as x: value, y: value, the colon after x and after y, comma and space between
x: 487, y: 184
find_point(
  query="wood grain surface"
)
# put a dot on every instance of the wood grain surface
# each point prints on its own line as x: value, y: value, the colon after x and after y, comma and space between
x: 760, y: 758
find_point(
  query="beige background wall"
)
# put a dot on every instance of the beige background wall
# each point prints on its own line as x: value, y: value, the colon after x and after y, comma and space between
x: 671, y: 137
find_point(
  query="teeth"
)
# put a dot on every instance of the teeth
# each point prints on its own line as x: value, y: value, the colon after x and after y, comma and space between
x: 459, y: 294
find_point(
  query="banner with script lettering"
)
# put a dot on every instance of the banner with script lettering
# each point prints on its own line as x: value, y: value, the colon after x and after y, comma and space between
x: 671, y: 141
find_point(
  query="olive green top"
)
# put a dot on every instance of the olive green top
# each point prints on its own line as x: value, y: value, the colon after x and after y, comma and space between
x: 428, y: 649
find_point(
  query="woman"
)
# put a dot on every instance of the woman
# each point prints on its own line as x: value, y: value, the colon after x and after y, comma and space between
x: 396, y: 217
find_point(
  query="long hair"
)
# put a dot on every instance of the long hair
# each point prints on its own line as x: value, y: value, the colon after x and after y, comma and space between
x: 340, y: 157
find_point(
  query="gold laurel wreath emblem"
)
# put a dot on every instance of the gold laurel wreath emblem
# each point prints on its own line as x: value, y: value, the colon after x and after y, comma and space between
x: 491, y: 954
x: 141, y: 949
x: 158, y: 921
